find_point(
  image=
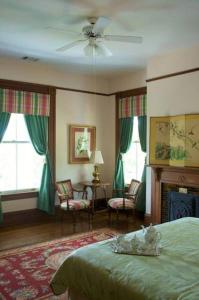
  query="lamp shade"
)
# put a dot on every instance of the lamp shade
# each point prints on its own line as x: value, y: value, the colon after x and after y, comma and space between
x: 96, y: 157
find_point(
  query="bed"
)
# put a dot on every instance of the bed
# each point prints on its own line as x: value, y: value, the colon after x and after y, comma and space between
x: 94, y: 272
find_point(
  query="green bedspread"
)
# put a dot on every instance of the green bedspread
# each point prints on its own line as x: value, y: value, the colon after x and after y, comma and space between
x: 101, y: 274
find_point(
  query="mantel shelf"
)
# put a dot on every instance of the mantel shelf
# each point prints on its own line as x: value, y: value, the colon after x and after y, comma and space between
x: 173, y: 167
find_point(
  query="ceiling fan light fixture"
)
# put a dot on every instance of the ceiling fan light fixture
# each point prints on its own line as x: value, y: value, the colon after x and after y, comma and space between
x: 102, y: 50
x: 89, y: 50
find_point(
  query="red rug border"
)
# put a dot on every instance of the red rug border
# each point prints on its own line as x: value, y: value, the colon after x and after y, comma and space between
x: 69, y: 237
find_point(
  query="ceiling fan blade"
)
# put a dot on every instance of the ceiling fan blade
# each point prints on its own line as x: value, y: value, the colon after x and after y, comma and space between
x: 124, y: 38
x: 70, y: 45
x: 101, y: 24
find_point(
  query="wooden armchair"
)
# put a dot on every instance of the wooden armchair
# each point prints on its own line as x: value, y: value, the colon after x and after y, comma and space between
x: 128, y: 200
x: 65, y: 192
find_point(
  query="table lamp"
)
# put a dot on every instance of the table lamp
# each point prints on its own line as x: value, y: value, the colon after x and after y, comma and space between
x: 97, y: 159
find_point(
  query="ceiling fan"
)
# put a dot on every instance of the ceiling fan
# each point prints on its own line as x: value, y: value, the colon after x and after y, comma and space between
x: 94, y: 35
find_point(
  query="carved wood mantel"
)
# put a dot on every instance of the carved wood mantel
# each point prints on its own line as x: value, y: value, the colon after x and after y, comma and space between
x: 182, y: 176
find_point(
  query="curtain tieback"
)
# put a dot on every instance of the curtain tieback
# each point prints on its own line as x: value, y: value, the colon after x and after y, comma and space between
x: 45, y: 157
x: 44, y: 160
x: 121, y: 156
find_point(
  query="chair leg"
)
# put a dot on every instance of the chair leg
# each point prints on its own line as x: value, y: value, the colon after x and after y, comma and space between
x: 90, y: 220
x: 134, y: 219
x: 88, y: 215
x: 117, y: 215
x: 109, y: 216
x: 62, y: 222
x: 74, y: 220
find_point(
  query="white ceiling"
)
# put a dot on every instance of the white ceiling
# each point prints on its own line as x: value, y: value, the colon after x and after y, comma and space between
x: 163, y: 24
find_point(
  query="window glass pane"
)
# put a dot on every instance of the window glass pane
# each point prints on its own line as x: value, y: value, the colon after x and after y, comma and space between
x: 22, y: 132
x: 7, y: 167
x: 135, y: 130
x: 10, y: 134
x: 29, y: 167
x: 134, y: 158
x: 16, y: 130
x: 20, y: 166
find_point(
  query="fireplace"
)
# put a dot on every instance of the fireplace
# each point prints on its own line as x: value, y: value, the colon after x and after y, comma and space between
x: 166, y: 179
x: 170, y: 193
x: 181, y: 205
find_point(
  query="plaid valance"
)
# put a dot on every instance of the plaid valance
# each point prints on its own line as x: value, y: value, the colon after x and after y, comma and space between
x: 132, y: 106
x: 28, y: 103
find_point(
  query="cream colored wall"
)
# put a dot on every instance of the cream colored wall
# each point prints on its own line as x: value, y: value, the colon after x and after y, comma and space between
x: 173, y: 95
x: 38, y: 72
x: 127, y: 81
x: 79, y: 108
x: 18, y: 205
x: 71, y: 107
x: 176, y: 61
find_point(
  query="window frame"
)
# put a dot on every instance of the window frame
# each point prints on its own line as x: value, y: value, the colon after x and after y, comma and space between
x: 118, y: 96
x: 37, y: 88
x: 135, y: 146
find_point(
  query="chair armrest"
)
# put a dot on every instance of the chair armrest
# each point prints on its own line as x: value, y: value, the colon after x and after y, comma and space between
x: 121, y: 190
x: 129, y: 195
x: 78, y: 190
x: 118, y: 193
x: 84, y: 192
x: 65, y: 196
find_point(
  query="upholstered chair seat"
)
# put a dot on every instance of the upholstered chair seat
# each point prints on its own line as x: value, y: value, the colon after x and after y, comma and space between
x: 76, y: 204
x: 118, y: 203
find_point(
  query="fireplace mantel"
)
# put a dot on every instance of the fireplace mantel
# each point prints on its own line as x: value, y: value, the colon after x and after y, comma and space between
x: 181, y: 176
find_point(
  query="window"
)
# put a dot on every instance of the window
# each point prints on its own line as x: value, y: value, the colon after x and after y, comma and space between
x: 20, y: 165
x: 134, y: 158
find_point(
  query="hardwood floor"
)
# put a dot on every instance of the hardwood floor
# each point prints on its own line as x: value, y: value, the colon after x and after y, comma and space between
x: 27, y: 234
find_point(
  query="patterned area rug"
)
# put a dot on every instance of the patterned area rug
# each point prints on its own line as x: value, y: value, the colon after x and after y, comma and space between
x: 25, y: 272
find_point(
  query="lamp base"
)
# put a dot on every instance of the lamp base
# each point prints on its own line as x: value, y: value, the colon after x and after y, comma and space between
x: 95, y: 181
x: 96, y: 175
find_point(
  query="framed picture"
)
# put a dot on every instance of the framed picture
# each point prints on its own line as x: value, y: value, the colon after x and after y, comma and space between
x: 174, y: 140
x: 159, y: 141
x: 82, y: 141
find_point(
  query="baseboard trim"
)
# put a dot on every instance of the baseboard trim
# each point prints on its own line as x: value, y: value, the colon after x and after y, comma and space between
x: 31, y: 216
x: 28, y: 216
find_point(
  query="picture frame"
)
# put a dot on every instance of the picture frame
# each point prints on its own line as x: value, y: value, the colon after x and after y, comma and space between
x: 82, y: 141
x: 174, y: 140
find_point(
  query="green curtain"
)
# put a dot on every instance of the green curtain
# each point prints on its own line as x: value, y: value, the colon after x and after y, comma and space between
x: 38, y: 130
x: 142, y: 128
x: 126, y: 131
x: 4, y: 120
